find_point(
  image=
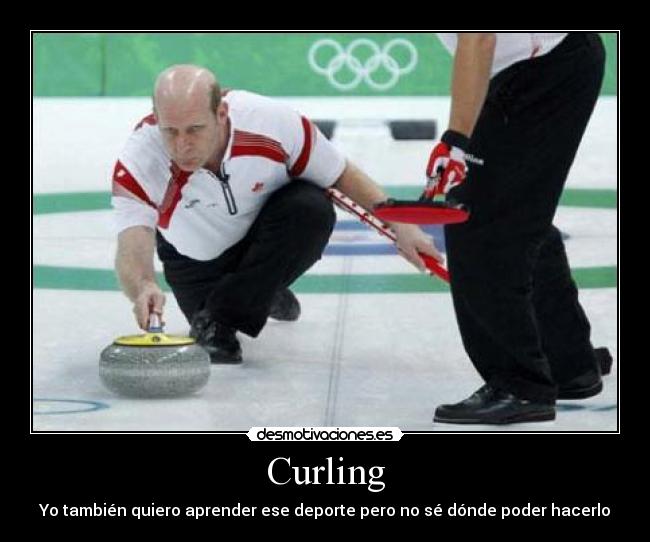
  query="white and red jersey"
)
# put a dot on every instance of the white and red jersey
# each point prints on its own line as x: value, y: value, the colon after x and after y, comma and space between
x: 512, y: 47
x: 202, y: 214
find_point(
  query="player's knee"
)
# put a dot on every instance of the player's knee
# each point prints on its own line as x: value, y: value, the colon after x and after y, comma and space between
x: 316, y: 213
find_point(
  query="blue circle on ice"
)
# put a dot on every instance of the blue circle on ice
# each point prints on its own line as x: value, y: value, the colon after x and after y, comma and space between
x: 65, y: 406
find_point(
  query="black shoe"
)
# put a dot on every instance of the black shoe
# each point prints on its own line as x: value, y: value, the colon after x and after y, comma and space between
x: 218, y: 340
x: 581, y: 387
x: 604, y: 360
x: 285, y: 306
x: 587, y: 384
x: 495, y: 407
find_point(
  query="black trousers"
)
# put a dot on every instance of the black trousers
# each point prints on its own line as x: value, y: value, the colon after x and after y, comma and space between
x: 237, y: 288
x: 516, y: 304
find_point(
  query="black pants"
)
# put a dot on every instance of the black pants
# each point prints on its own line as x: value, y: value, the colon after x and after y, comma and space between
x: 515, y: 301
x: 237, y: 288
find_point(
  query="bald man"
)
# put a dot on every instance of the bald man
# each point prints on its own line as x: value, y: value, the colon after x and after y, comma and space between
x: 230, y: 190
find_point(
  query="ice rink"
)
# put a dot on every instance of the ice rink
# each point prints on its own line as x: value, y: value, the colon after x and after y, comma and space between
x: 377, y: 343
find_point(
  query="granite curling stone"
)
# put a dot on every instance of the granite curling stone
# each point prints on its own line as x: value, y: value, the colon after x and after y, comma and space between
x: 154, y: 365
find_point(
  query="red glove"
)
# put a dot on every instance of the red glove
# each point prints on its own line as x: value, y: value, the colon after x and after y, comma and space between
x: 446, y: 167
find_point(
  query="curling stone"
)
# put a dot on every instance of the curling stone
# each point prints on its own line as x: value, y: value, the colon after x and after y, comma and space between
x: 154, y: 364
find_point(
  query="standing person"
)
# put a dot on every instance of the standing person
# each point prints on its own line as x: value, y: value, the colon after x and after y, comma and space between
x: 520, y: 103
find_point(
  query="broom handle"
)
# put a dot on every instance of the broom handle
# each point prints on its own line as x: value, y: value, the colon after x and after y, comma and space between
x: 433, y: 267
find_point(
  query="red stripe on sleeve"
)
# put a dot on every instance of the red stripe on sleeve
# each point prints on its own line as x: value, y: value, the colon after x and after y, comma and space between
x: 305, y: 153
x: 123, y: 179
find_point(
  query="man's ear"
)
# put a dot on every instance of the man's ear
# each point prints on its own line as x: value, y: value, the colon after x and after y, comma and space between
x: 222, y: 112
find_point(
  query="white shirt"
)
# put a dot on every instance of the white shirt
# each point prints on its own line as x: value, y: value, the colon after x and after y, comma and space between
x: 512, y: 47
x: 201, y: 215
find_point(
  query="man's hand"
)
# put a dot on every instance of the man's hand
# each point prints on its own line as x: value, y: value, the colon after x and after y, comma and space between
x: 411, y: 240
x: 150, y: 300
x: 446, y: 168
